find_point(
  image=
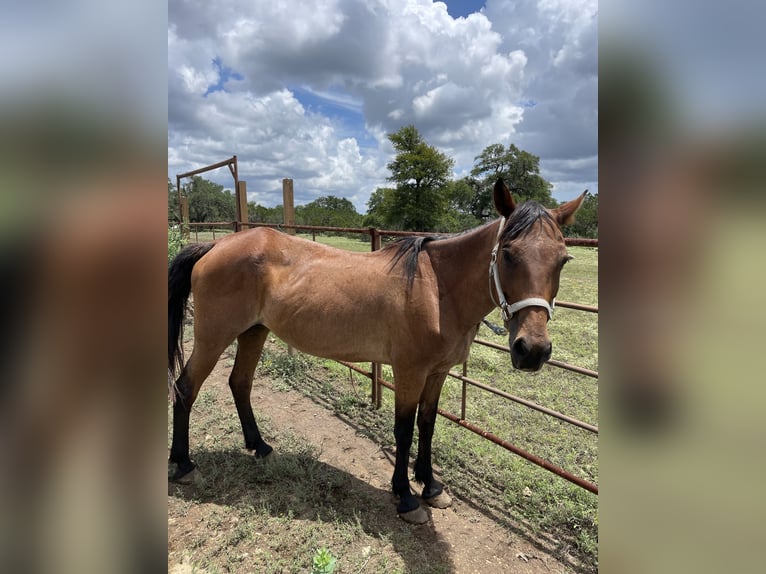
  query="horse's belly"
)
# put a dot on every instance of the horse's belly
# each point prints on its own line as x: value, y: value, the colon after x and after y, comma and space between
x: 340, y: 336
x: 343, y: 348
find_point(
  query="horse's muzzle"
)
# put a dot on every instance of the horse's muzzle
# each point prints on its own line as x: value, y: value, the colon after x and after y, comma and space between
x: 529, y: 355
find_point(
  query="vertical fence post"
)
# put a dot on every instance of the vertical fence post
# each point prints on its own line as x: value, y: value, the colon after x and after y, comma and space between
x: 465, y: 388
x: 376, y: 397
x: 242, y: 218
x: 185, y: 217
x: 180, y: 197
x: 288, y: 204
x: 374, y: 239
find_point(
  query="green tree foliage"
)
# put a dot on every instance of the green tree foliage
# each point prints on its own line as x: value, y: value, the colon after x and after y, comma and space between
x: 519, y: 169
x: 259, y: 214
x: 586, y: 220
x: 379, y: 207
x: 420, y: 172
x: 459, y: 217
x: 209, y: 201
x: 174, y: 214
x: 329, y: 211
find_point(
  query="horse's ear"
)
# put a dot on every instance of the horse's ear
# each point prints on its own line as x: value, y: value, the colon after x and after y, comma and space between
x: 565, y: 214
x: 503, y: 199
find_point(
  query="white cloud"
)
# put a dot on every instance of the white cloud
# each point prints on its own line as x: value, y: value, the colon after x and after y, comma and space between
x: 379, y: 65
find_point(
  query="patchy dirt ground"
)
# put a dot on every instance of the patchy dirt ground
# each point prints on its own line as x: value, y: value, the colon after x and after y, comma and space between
x: 458, y: 540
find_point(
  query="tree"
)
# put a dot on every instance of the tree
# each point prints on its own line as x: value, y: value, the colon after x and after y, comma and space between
x: 521, y: 172
x: 329, y: 211
x: 420, y: 173
x: 379, y: 208
x: 173, y: 211
x: 208, y: 201
x: 259, y: 214
x: 460, y: 194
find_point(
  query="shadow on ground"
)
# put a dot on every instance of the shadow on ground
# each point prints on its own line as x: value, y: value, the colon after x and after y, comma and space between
x: 298, y: 486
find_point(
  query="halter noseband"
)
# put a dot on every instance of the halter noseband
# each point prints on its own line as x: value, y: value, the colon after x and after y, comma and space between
x: 506, y: 310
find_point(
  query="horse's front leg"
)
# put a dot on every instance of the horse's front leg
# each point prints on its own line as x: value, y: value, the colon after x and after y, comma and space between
x: 433, y: 491
x: 404, y: 427
x: 408, y: 390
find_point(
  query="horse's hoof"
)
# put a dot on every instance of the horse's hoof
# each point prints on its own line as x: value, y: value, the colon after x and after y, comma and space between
x: 417, y: 516
x: 194, y: 476
x: 441, y: 500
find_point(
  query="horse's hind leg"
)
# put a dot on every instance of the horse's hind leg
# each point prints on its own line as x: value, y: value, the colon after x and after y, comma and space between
x: 197, y: 369
x: 250, y: 345
x: 433, y: 492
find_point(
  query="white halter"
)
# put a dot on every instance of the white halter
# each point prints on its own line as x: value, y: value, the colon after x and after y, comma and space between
x: 507, y: 310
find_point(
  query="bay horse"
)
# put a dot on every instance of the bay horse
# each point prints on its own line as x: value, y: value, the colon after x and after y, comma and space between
x: 415, y: 305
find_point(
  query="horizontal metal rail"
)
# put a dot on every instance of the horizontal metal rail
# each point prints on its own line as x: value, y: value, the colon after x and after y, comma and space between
x: 525, y: 402
x: 581, y: 482
x: 552, y: 362
x: 570, y: 241
x: 580, y: 242
x: 576, y: 306
x: 211, y: 224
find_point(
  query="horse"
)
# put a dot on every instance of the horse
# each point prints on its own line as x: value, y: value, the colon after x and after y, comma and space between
x: 415, y: 305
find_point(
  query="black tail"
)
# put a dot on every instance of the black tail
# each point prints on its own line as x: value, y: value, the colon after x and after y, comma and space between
x: 179, y: 288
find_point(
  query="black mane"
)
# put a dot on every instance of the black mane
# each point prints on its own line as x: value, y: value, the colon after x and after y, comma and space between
x: 407, y: 250
x: 523, y: 218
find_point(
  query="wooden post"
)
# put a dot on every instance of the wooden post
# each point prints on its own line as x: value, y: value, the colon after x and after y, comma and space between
x: 374, y: 239
x: 241, y: 194
x: 178, y: 193
x: 375, y: 394
x: 185, y: 217
x: 288, y: 204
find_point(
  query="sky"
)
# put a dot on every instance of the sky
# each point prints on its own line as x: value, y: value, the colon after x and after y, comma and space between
x: 309, y: 89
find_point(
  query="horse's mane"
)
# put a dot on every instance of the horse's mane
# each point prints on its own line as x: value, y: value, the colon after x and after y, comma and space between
x: 407, y: 250
x: 523, y: 218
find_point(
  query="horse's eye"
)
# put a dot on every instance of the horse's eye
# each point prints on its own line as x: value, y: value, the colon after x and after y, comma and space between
x: 508, y: 256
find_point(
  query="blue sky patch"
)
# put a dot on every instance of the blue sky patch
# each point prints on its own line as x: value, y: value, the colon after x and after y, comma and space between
x: 458, y: 8
x: 225, y: 73
x: 345, y: 111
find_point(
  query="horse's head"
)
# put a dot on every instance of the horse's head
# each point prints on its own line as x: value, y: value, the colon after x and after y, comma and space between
x: 525, y: 270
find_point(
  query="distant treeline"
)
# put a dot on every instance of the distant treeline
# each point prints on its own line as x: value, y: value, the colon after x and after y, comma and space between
x: 422, y: 197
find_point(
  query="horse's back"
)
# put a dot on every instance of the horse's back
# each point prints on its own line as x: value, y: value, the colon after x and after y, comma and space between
x: 321, y: 300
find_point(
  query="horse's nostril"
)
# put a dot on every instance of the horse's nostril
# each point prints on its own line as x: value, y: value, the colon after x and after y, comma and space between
x: 520, y: 347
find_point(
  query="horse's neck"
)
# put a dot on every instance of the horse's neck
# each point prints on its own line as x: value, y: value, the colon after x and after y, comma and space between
x: 462, y: 265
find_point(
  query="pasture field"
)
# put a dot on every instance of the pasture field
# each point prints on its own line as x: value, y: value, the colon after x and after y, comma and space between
x: 277, y: 515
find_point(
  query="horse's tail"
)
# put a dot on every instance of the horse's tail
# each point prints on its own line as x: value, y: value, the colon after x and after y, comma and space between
x: 179, y: 289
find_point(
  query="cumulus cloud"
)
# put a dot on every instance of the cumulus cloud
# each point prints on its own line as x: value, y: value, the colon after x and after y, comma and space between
x: 465, y: 83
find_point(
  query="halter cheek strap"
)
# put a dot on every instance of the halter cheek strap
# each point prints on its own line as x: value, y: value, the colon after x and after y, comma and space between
x: 506, y: 310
